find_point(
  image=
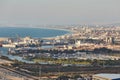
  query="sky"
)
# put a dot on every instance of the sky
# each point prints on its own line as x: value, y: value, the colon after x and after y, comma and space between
x: 59, y: 12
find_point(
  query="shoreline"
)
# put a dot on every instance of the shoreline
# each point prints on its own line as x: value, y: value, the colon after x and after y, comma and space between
x: 68, y: 31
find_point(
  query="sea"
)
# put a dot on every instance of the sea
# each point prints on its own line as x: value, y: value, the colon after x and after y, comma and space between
x: 32, y: 32
x: 23, y: 32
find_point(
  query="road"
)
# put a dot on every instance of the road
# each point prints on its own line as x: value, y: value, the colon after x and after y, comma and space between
x: 11, y: 74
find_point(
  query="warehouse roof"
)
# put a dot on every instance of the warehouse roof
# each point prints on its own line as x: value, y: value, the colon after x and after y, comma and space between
x: 109, y: 76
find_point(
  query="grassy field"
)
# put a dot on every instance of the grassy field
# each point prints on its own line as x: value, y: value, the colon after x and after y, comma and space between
x: 61, y: 61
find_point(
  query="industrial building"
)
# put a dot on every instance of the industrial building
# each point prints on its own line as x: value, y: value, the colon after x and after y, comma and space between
x: 105, y: 76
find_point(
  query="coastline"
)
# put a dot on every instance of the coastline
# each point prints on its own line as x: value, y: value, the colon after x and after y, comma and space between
x: 68, y: 31
x: 20, y: 58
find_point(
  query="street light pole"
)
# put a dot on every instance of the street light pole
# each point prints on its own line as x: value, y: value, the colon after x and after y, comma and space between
x: 40, y: 72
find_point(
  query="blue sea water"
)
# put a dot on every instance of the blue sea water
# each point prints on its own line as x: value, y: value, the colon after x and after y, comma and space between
x: 32, y: 32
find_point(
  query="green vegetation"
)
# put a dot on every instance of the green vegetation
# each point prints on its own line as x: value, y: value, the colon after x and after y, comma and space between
x: 5, y: 58
x: 75, y: 61
x: 105, y: 62
x: 61, y: 61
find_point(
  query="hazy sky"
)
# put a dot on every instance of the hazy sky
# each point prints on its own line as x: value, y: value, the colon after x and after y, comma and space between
x: 59, y: 11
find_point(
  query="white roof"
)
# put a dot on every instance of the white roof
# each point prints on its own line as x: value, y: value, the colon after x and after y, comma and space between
x: 109, y: 76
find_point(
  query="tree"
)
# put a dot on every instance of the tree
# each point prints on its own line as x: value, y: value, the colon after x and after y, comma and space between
x: 63, y: 78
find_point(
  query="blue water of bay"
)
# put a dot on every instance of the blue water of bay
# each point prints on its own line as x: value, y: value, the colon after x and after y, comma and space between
x: 32, y: 32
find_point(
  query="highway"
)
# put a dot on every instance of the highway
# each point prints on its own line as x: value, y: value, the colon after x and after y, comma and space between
x: 11, y: 74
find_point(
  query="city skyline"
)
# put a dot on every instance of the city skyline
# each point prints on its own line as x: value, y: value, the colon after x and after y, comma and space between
x: 59, y: 12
